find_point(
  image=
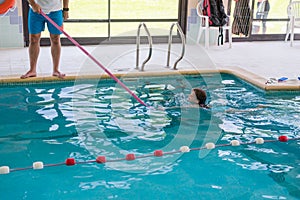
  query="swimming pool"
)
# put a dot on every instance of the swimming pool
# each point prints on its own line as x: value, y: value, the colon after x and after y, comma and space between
x: 53, y: 121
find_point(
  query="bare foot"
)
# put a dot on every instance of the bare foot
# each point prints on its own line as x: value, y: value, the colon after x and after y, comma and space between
x: 58, y: 75
x: 29, y: 74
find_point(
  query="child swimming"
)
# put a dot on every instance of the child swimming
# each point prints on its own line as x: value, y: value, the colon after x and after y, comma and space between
x: 198, y: 98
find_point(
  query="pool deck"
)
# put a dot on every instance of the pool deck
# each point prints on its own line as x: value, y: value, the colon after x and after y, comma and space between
x: 256, y: 62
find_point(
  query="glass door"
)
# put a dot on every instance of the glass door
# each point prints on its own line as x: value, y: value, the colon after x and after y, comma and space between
x: 268, y: 19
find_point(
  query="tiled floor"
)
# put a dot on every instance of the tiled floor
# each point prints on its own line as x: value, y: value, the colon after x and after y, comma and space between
x: 255, y: 60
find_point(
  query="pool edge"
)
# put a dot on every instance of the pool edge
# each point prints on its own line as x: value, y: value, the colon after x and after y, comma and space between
x: 240, y: 73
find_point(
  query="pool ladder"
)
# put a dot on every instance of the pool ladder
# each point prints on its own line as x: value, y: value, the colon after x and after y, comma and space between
x: 138, y: 41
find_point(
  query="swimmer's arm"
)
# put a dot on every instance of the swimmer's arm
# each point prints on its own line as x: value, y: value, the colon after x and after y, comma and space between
x: 183, y: 107
x: 259, y: 106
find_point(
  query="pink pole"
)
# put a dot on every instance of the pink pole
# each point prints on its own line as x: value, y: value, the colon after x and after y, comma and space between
x: 94, y: 59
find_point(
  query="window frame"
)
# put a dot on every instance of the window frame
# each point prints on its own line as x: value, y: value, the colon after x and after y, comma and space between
x: 181, y: 19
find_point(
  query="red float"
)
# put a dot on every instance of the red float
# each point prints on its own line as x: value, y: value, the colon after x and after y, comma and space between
x: 101, y: 159
x: 6, y: 5
x: 158, y: 153
x: 283, y: 138
x: 130, y: 156
x: 70, y: 161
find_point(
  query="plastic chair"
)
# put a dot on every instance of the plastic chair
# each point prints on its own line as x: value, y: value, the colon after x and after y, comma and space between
x: 293, y: 11
x: 204, y: 26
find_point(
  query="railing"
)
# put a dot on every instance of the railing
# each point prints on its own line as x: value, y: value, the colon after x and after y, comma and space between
x: 138, y: 41
x: 170, y: 42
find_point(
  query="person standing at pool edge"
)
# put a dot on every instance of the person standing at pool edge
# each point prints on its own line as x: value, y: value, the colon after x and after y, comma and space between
x: 36, y: 24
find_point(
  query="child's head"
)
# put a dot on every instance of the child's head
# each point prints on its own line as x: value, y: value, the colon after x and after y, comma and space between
x: 198, y: 96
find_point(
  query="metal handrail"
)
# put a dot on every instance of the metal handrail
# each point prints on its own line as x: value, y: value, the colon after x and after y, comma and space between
x: 138, y: 41
x: 170, y: 42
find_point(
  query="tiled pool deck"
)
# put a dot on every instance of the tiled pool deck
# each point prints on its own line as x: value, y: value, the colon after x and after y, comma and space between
x: 256, y: 62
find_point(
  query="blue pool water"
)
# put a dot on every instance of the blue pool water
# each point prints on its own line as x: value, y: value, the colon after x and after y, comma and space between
x: 51, y: 122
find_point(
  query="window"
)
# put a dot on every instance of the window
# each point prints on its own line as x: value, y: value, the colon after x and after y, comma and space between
x: 120, y: 18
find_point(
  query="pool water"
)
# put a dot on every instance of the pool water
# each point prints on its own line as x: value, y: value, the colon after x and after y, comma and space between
x: 53, y: 121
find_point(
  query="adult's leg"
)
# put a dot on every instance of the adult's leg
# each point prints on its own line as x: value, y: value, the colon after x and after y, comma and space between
x: 57, y: 17
x: 36, y: 24
x: 34, y: 50
x: 55, y: 52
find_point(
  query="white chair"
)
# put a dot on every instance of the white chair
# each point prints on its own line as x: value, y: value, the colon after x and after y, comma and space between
x: 204, y: 26
x: 294, y: 16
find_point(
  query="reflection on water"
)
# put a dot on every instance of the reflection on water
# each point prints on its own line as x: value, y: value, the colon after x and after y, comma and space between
x: 85, y: 119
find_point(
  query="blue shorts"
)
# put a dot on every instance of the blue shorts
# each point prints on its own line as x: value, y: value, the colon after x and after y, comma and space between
x: 36, y: 22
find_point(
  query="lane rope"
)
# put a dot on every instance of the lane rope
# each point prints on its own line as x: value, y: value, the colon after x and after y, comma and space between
x: 131, y: 156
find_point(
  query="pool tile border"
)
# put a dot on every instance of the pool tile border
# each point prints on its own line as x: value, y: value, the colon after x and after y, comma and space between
x: 240, y: 73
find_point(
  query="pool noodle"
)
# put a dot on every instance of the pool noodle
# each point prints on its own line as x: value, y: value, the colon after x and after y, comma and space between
x: 94, y: 59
